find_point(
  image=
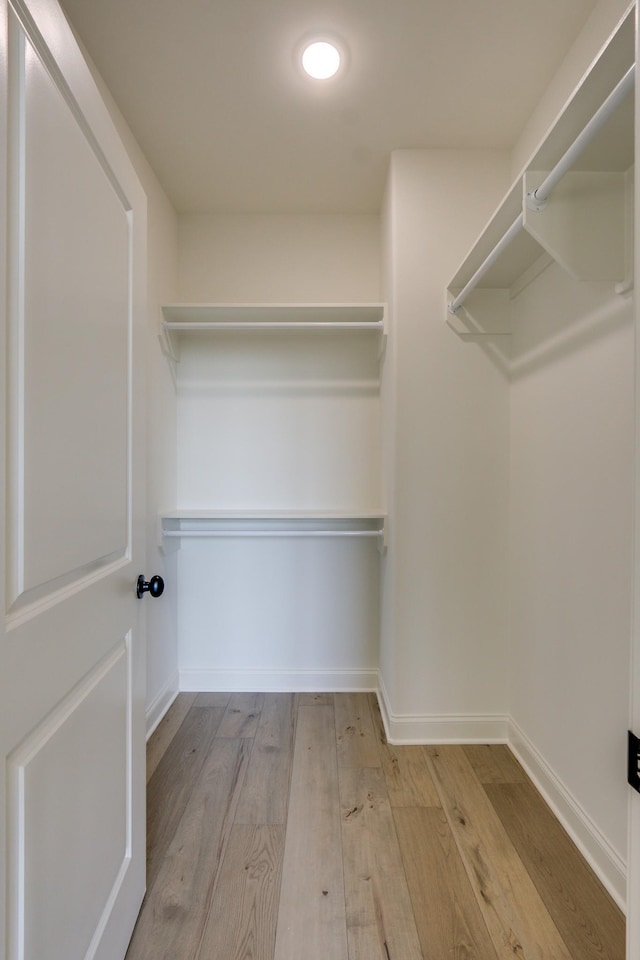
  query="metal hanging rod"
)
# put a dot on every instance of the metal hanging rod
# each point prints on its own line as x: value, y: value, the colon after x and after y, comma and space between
x: 537, y: 199
x: 502, y: 244
x: 210, y: 325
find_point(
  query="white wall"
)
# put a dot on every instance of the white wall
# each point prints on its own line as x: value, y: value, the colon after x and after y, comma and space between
x: 276, y: 422
x: 444, y: 643
x: 279, y: 422
x: 388, y: 462
x: 570, y: 524
x: 279, y: 258
x: 572, y: 402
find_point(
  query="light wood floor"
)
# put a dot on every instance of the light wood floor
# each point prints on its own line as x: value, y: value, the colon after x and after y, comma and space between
x: 284, y: 827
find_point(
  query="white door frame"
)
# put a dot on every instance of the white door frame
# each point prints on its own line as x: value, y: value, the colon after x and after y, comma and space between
x: 633, y: 858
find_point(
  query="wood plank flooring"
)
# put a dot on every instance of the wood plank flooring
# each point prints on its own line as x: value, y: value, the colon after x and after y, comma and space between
x: 284, y: 827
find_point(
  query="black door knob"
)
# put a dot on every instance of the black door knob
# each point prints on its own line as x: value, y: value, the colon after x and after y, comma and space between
x: 154, y: 587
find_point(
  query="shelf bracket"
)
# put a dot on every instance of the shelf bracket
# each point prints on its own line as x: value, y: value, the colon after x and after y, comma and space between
x: 384, y: 333
x: 383, y: 536
x: 166, y: 346
x: 484, y: 313
x: 167, y: 544
x: 583, y: 224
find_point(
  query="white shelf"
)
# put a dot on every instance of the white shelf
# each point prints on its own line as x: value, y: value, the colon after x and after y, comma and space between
x: 269, y: 318
x: 205, y: 523
x: 244, y: 514
x: 582, y: 227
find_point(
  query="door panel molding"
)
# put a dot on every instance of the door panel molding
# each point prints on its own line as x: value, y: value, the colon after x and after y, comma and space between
x: 45, y: 514
x: 35, y: 602
x: 22, y: 14
x: 57, y: 741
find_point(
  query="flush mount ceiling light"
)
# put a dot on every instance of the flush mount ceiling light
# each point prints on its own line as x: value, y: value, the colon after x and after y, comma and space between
x: 321, y: 59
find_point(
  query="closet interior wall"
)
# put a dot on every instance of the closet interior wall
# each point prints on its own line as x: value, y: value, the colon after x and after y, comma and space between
x: 273, y: 421
x: 570, y: 362
x: 444, y: 591
x: 571, y: 522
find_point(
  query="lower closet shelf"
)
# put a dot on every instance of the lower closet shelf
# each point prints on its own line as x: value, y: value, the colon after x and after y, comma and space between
x: 291, y: 524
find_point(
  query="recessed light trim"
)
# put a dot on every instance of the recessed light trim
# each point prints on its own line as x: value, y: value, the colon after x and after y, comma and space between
x: 321, y: 59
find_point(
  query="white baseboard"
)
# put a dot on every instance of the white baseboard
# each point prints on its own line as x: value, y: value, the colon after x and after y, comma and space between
x: 441, y: 728
x: 606, y: 863
x: 156, y: 710
x: 279, y: 681
x: 595, y: 848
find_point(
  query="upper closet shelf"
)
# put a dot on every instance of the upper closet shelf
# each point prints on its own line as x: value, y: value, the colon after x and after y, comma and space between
x: 217, y: 318
x: 307, y: 524
x: 573, y: 204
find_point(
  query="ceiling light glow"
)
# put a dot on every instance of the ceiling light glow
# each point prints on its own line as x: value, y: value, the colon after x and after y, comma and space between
x: 321, y: 60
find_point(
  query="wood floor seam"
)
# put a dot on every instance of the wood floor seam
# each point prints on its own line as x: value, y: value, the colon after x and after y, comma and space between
x: 515, y: 915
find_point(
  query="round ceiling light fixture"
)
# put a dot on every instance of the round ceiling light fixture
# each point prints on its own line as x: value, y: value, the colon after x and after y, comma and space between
x: 321, y: 60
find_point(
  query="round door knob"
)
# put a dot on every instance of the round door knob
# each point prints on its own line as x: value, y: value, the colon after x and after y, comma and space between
x: 154, y: 587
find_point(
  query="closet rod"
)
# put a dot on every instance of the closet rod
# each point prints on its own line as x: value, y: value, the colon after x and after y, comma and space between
x: 499, y: 248
x: 538, y: 198
x: 272, y: 533
x: 193, y: 325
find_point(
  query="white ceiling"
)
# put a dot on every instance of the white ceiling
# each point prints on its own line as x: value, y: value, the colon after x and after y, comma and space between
x: 213, y: 93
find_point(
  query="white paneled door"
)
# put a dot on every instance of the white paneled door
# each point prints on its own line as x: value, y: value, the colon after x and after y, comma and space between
x: 71, y: 640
